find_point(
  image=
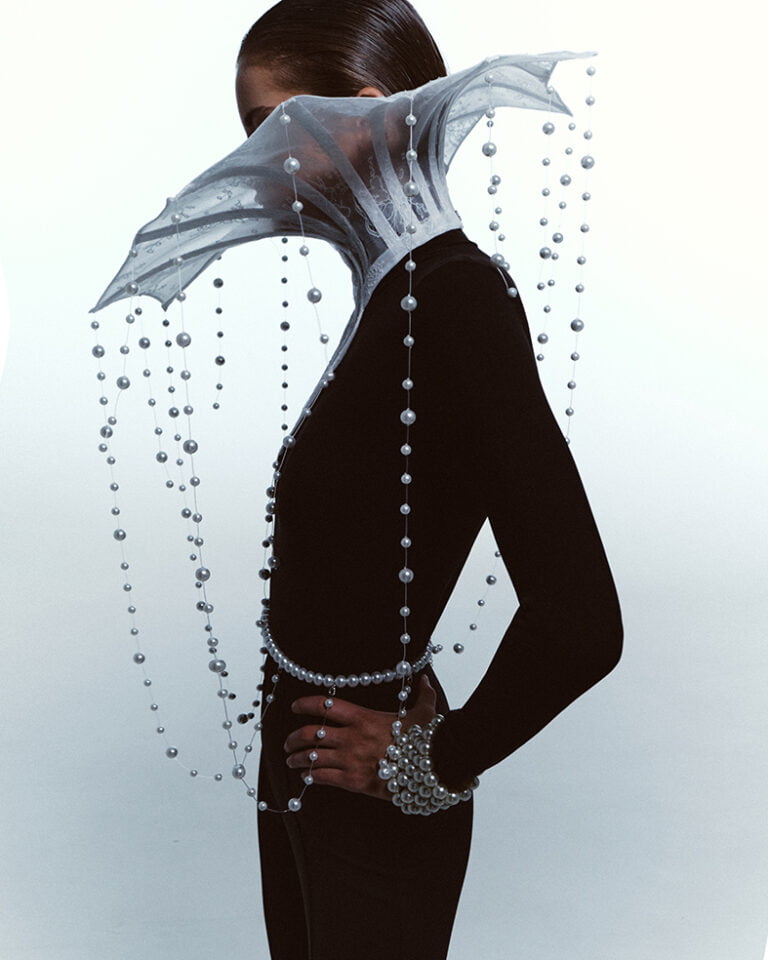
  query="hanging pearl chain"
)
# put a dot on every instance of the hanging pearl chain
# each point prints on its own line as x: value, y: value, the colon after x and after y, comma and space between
x: 411, y: 190
x: 546, y: 253
x: 550, y: 254
x: 190, y: 512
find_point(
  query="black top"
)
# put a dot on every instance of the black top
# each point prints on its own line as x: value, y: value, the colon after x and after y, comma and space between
x: 485, y: 444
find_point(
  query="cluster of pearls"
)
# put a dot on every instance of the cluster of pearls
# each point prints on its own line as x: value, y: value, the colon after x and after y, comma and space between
x: 407, y: 769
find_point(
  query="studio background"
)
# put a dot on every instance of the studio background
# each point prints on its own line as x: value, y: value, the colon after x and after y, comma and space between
x: 632, y: 828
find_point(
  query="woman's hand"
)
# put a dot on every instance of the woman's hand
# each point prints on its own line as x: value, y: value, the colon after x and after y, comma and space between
x: 348, y: 753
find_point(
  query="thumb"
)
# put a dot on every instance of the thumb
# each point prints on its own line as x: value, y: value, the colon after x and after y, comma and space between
x: 426, y: 694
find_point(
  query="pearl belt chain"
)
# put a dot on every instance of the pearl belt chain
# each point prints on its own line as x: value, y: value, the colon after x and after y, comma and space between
x: 400, y: 671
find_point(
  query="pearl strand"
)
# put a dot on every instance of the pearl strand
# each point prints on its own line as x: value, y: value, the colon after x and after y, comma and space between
x: 551, y: 255
x: 404, y: 668
x: 189, y: 514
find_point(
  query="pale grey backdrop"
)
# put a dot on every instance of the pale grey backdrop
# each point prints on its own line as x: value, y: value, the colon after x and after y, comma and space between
x: 633, y: 827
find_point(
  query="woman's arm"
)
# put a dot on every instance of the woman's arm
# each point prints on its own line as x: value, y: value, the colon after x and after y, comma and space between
x: 567, y: 633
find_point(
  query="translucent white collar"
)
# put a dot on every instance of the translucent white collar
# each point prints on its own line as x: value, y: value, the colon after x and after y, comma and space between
x: 352, y: 172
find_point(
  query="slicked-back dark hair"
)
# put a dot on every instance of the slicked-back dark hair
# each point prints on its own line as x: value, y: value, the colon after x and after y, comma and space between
x: 334, y: 48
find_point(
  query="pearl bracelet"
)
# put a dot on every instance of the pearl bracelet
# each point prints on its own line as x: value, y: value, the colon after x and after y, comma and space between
x: 407, y: 768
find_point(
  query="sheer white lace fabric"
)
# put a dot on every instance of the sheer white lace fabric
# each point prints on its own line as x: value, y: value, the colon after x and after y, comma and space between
x: 353, y: 168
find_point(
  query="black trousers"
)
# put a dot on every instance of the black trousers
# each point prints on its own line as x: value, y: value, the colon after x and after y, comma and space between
x: 350, y: 877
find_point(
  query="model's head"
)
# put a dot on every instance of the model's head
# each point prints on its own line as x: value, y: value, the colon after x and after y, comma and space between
x: 333, y: 48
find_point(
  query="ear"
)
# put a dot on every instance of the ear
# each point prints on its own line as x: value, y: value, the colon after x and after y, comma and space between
x: 369, y: 92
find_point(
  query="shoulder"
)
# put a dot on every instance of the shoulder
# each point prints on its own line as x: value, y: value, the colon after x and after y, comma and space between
x: 464, y: 279
x: 470, y: 297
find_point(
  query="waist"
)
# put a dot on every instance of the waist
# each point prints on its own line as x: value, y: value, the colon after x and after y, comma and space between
x: 317, y: 676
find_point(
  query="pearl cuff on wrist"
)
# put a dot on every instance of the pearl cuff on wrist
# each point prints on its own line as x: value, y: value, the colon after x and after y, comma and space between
x: 407, y: 768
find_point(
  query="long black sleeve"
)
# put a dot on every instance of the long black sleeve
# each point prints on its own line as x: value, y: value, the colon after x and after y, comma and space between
x: 567, y: 633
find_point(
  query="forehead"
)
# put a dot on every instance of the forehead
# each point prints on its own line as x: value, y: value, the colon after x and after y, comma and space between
x: 255, y: 86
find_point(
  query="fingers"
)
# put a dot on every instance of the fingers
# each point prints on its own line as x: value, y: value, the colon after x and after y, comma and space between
x: 307, y: 738
x: 347, y: 780
x: 317, y: 759
x: 341, y: 712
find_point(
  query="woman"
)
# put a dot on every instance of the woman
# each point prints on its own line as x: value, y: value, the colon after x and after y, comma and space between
x: 349, y: 876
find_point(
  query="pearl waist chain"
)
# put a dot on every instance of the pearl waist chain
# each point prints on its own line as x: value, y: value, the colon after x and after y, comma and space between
x: 320, y: 679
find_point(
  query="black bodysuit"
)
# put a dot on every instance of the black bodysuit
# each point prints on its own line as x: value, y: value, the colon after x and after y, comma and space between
x: 350, y: 876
